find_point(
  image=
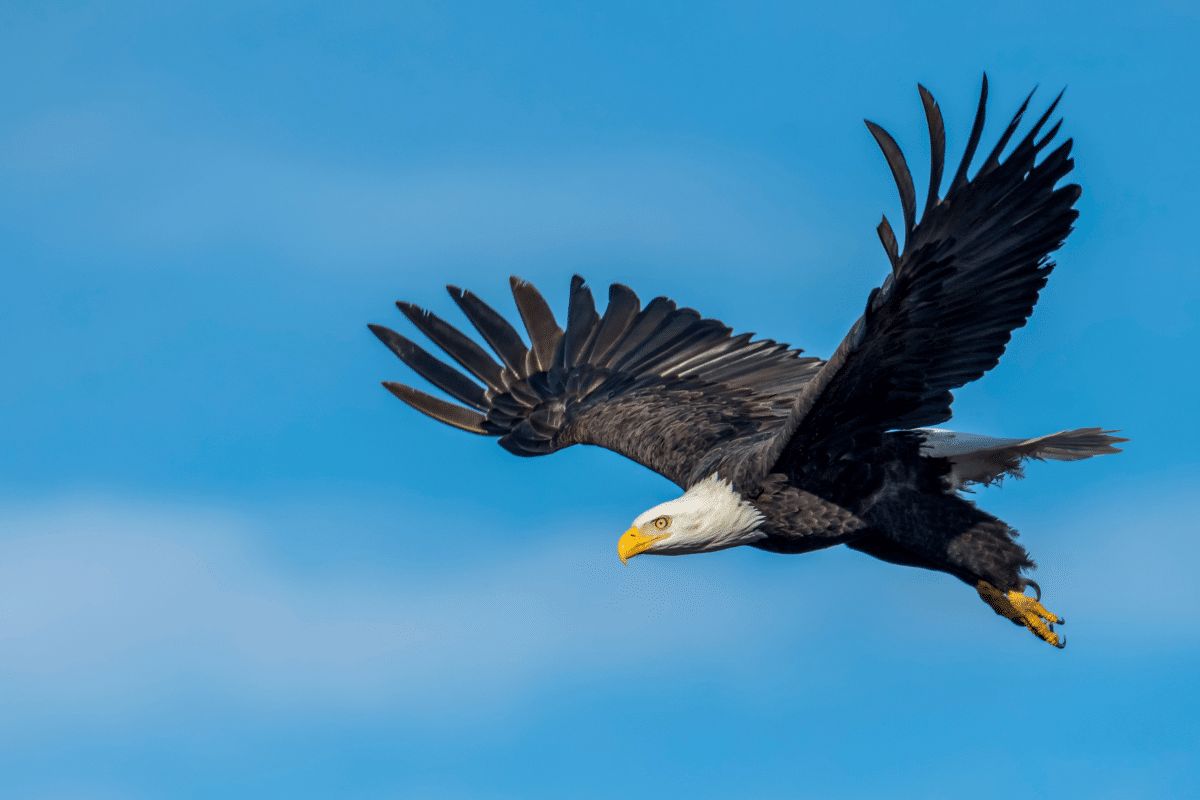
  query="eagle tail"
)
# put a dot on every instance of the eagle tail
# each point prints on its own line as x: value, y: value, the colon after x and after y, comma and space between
x: 1074, y: 445
x: 988, y: 459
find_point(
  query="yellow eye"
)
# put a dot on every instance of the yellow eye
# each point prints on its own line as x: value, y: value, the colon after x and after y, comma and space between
x: 662, y: 523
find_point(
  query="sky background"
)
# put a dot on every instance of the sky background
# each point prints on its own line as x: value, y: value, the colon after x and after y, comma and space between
x: 231, y: 565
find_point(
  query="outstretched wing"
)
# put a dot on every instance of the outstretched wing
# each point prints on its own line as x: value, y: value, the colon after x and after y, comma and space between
x: 657, y: 384
x: 969, y: 274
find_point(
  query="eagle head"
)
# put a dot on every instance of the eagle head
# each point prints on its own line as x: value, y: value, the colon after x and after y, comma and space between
x: 710, y: 515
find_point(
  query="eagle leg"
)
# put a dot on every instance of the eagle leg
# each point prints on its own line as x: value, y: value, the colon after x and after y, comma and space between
x: 1023, y: 610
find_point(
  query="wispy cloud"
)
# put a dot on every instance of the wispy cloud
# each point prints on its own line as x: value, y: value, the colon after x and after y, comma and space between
x: 108, y: 606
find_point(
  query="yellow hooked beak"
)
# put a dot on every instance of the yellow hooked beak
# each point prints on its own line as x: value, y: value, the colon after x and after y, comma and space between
x: 633, y: 541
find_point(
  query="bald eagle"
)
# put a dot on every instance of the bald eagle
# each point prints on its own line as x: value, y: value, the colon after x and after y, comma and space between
x: 786, y: 452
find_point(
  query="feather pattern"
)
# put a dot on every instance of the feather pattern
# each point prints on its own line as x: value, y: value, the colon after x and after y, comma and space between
x: 495, y: 329
x: 468, y: 354
x: 623, y: 307
x: 969, y: 274
x: 658, y: 384
x: 441, y: 375
x: 544, y: 333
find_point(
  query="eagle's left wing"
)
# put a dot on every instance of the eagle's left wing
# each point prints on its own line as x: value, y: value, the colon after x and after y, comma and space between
x: 658, y: 384
x: 969, y: 274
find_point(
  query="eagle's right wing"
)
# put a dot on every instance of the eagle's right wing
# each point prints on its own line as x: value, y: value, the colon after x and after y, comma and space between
x: 657, y: 384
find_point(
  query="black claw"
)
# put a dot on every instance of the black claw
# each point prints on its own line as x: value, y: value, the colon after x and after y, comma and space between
x: 1062, y: 621
x: 1062, y: 642
x: 1037, y: 590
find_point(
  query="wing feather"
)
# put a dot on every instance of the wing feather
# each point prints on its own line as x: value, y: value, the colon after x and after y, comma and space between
x: 968, y: 276
x: 468, y: 354
x: 937, y: 146
x: 495, y: 329
x: 544, y: 333
x: 623, y: 307
x: 444, y: 377
x: 658, y: 384
x: 900, y: 172
x: 887, y: 238
x: 459, y: 417
x: 960, y: 175
x: 582, y: 322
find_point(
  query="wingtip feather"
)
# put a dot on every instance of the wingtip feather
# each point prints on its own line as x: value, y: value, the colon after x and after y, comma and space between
x: 900, y: 174
x: 456, y: 416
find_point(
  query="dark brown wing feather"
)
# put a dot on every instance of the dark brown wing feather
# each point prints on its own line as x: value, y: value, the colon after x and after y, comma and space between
x: 658, y: 384
x: 969, y: 274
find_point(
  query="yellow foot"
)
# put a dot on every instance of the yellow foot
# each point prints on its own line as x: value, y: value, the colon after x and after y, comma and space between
x: 1023, y: 610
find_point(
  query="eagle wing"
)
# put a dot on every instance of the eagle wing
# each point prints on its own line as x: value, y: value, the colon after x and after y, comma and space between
x: 969, y: 274
x: 658, y: 384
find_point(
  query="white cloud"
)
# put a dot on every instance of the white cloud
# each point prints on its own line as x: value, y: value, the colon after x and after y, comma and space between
x: 109, y: 610
x: 106, y: 606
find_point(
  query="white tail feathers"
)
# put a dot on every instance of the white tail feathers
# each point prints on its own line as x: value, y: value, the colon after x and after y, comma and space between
x: 988, y: 459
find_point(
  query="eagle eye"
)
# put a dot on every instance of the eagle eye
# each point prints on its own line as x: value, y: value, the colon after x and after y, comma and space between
x: 662, y: 523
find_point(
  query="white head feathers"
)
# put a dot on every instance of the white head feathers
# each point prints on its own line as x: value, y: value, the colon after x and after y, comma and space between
x: 708, y: 516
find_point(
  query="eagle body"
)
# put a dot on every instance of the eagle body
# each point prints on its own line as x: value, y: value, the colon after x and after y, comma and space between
x: 786, y: 452
x: 903, y: 511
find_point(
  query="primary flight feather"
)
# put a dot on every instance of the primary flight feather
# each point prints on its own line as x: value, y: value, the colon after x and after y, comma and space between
x: 786, y: 452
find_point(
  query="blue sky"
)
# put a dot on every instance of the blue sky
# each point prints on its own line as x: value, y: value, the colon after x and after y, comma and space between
x: 232, y: 565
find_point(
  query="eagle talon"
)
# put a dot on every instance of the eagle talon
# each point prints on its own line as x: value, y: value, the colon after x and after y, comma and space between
x: 1021, y: 609
x: 1037, y: 590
